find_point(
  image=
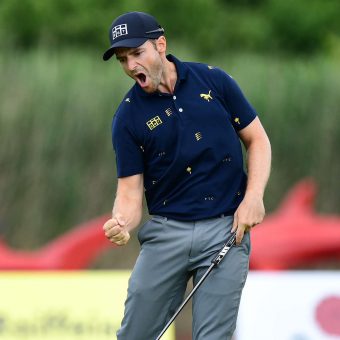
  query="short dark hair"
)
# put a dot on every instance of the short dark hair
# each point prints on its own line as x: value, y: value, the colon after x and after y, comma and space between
x: 153, y: 42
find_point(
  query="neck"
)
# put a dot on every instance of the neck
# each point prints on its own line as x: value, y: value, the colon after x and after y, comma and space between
x: 169, y: 77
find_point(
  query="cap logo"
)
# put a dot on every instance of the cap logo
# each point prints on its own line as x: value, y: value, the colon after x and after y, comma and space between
x: 119, y: 30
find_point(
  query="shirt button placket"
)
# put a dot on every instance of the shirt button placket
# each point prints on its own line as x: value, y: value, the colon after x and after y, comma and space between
x: 179, y: 109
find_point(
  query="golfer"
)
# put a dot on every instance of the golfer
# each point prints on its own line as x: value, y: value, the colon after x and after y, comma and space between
x: 177, y: 138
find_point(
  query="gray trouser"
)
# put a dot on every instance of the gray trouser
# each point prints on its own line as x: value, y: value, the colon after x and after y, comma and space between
x: 171, y: 253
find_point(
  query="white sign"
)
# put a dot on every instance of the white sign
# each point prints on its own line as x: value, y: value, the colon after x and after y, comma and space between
x: 290, y: 305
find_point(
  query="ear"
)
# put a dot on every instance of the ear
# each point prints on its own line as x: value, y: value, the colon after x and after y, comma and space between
x: 161, y: 44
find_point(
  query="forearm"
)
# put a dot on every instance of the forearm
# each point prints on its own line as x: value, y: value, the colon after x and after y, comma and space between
x: 127, y: 209
x: 258, y: 164
x: 130, y: 210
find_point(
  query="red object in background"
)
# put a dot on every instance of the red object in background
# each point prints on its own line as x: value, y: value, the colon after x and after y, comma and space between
x: 76, y: 249
x: 292, y: 237
x: 295, y: 235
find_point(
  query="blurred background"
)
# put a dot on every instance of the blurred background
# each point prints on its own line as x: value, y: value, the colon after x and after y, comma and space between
x: 57, y: 99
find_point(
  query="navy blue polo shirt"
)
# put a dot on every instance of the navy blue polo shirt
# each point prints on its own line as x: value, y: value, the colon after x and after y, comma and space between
x: 186, y: 143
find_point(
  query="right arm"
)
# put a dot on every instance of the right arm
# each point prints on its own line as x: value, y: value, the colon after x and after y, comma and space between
x: 127, y: 209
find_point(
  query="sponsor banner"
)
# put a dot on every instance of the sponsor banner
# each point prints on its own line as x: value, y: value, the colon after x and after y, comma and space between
x: 63, y: 305
x: 290, y: 305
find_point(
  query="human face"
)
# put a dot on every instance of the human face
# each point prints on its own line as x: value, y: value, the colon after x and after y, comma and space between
x: 143, y: 64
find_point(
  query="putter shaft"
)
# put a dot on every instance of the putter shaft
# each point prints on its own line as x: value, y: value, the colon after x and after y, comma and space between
x: 221, y: 254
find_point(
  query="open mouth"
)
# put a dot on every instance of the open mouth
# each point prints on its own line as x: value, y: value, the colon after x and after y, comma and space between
x: 141, y: 77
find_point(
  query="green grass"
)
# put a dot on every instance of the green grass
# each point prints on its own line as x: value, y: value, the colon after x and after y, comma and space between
x: 56, y: 161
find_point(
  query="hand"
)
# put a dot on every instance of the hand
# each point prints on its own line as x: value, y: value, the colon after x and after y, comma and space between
x: 115, y: 230
x: 249, y: 213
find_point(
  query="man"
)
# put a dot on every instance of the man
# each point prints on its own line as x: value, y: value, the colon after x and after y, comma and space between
x: 177, y: 136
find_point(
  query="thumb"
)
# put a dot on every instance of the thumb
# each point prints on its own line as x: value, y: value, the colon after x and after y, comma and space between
x: 120, y: 220
x: 235, y: 223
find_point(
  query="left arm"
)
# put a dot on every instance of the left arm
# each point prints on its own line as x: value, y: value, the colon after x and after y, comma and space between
x: 251, y: 210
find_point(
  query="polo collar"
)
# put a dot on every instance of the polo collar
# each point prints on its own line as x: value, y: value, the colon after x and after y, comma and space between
x: 182, y: 73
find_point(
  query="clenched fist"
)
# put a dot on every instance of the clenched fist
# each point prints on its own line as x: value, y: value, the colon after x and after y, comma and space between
x: 115, y: 230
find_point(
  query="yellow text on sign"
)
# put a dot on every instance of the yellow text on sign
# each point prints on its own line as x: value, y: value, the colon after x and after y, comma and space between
x: 63, y: 305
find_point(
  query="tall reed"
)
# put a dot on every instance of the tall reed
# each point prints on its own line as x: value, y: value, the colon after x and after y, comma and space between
x: 57, y: 166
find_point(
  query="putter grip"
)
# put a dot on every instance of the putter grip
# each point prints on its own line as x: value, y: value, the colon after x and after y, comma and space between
x: 224, y: 250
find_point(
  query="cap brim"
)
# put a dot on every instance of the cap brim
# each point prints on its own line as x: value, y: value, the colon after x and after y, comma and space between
x: 132, y: 42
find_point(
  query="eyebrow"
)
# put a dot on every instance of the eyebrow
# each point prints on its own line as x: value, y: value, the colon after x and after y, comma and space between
x: 129, y: 50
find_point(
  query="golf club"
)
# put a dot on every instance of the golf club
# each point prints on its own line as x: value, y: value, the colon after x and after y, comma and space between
x: 231, y: 241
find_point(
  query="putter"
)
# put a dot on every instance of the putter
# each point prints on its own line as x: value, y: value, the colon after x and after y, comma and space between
x: 231, y: 241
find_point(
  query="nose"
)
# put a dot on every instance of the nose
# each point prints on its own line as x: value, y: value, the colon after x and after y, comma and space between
x: 130, y: 63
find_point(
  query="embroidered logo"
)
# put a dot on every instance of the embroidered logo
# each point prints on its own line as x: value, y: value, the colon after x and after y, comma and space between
x: 168, y: 112
x: 119, y: 30
x: 127, y: 100
x: 154, y: 122
x: 209, y: 198
x: 226, y: 159
x: 207, y: 97
x: 237, y: 120
x: 198, y: 136
x: 210, y: 67
x: 189, y: 170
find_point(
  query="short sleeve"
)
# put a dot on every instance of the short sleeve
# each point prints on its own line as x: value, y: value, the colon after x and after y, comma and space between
x: 241, y: 110
x: 129, y: 155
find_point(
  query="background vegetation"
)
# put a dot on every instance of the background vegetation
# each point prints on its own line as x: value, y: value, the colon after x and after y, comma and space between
x: 295, y: 27
x: 57, y: 98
